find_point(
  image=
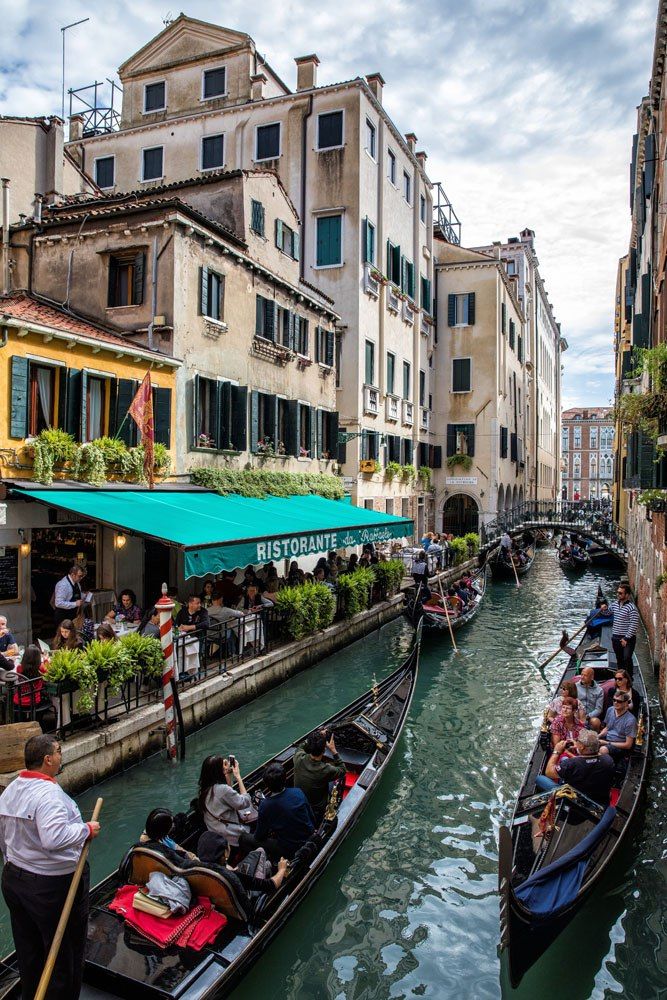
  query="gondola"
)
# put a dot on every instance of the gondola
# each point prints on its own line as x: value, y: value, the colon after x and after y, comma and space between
x: 602, y: 558
x: 573, y: 562
x: 434, y: 619
x: 540, y: 893
x: 502, y: 570
x: 121, y: 963
x: 543, y: 538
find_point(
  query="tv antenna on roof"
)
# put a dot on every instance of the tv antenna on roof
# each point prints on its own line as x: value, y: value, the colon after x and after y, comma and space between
x: 168, y: 19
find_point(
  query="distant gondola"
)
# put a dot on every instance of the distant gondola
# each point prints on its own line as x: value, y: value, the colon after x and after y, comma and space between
x: 122, y: 963
x: 540, y: 893
x: 602, y: 558
x: 573, y: 562
x: 543, y: 538
x: 434, y: 619
x: 501, y: 569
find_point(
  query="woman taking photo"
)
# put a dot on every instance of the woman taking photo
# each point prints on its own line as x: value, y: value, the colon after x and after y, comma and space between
x: 223, y: 809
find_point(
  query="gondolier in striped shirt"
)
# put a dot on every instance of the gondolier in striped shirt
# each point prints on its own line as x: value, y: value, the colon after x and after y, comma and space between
x: 624, y: 629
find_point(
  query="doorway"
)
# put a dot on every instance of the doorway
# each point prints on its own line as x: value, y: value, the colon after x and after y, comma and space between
x: 460, y: 515
x: 156, y: 570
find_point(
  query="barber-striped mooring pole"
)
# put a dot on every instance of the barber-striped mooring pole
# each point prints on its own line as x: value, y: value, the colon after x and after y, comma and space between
x: 165, y: 606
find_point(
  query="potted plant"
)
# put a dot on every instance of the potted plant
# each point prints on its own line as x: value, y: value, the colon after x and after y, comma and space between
x: 70, y: 669
x: 465, y: 461
x: 112, y: 663
x: 424, y: 474
x: 145, y: 653
x: 392, y: 469
x: 408, y: 473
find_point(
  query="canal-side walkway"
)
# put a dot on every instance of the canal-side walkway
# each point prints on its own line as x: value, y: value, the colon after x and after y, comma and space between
x: 92, y: 756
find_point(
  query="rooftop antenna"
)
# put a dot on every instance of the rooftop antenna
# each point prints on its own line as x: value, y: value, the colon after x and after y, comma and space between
x: 168, y: 19
x: 65, y: 28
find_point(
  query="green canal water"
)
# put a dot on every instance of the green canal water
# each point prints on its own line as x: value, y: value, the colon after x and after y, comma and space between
x: 408, y: 907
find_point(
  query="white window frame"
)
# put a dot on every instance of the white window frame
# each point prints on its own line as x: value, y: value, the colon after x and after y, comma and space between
x: 462, y: 392
x: 461, y: 322
x: 154, y: 111
x: 407, y: 187
x: 371, y: 125
x: 107, y: 156
x: 576, y: 437
x: 593, y: 441
x: 327, y: 215
x: 151, y: 180
x: 391, y: 159
x: 215, y: 97
x: 267, y: 159
x: 325, y: 149
x: 214, y: 135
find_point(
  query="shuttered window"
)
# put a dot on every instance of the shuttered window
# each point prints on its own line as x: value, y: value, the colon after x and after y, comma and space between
x: 408, y: 278
x: 406, y: 380
x: 329, y: 241
x: 152, y: 163
x: 155, y: 96
x: 213, y: 152
x: 301, y: 336
x: 368, y: 242
x: 104, y: 171
x: 460, y: 439
x: 257, y: 217
x: 213, y: 83
x: 512, y: 333
x: 265, y: 311
x: 287, y: 239
x: 370, y: 363
x: 268, y: 142
x: 461, y: 309
x: 461, y: 375
x: 324, y: 346
x: 326, y: 434
x: 422, y: 388
x: 503, y: 442
x: 126, y: 279
x: 391, y: 372
x: 503, y: 318
x: 394, y: 263
x: 330, y: 130
x: 406, y: 451
x: 211, y: 293
x: 425, y: 294
x: 162, y: 415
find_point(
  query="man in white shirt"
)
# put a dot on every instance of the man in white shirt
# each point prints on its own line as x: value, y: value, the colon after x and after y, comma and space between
x: 68, y: 596
x: 41, y: 838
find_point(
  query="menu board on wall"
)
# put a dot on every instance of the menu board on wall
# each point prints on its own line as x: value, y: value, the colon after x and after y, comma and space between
x: 10, y: 580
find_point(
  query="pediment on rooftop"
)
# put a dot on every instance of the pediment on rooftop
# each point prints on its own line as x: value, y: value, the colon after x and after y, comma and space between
x: 184, y: 39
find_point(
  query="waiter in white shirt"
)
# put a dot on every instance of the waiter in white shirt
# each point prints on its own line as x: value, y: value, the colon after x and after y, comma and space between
x: 68, y: 596
x: 41, y: 837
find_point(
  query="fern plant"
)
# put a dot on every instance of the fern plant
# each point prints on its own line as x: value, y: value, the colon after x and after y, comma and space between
x: 112, y: 662
x: 73, y: 665
x: 145, y: 652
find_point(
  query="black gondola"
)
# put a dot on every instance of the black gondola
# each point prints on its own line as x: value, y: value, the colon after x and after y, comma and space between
x: 501, y: 569
x: 121, y: 963
x: 435, y: 620
x: 602, y: 558
x: 574, y: 562
x: 543, y: 538
x: 585, y: 841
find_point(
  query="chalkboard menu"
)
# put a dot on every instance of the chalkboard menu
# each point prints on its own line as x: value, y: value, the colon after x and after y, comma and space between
x: 10, y: 583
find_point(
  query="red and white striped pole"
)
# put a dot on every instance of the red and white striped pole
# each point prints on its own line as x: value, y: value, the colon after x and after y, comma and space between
x: 165, y: 606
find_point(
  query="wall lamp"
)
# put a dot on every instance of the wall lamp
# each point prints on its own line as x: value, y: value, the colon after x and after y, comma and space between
x: 120, y: 541
x: 25, y: 547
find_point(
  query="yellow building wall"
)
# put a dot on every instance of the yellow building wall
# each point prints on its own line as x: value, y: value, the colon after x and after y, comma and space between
x: 14, y: 460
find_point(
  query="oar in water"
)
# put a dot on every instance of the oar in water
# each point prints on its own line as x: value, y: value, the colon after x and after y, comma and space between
x: 64, y: 916
x: 516, y: 575
x: 449, y: 621
x: 578, y: 632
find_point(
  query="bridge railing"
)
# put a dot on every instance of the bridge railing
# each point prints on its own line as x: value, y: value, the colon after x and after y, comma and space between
x: 593, y: 517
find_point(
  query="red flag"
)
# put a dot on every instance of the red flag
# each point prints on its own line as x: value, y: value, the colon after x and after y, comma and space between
x: 141, y: 411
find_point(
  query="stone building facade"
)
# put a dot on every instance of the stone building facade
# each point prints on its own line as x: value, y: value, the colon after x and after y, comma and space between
x: 199, y: 97
x: 588, y: 453
x: 481, y: 404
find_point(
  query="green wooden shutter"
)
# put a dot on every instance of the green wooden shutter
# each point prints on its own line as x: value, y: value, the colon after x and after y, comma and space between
x: 138, y: 279
x: 469, y: 430
x: 646, y: 461
x: 396, y: 265
x: 83, y: 407
x: 471, y: 308
x: 292, y: 428
x: 279, y: 234
x: 292, y: 331
x: 254, y: 420
x: 259, y: 315
x: 203, y: 291
x: 503, y: 318
x: 436, y: 460
x: 223, y: 423
x: 451, y: 310
x: 333, y: 433
x: 271, y: 417
x: 73, y: 394
x: 451, y: 439
x: 196, y: 418
x: 162, y: 416
x: 61, y: 419
x: 296, y: 245
x: 239, y: 428
x: 270, y: 319
x: 330, y: 347
x: 312, y: 427
x: 127, y: 388
x: 112, y: 389
x: 390, y: 257
x: 20, y: 393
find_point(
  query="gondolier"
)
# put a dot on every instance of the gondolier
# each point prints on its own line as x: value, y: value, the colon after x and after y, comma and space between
x: 41, y: 837
x: 624, y: 629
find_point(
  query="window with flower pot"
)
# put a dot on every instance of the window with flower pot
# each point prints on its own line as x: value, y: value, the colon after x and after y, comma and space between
x: 219, y: 414
x: 262, y: 422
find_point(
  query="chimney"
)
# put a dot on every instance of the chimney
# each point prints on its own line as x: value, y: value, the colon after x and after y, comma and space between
x: 306, y: 72
x: 55, y: 139
x: 37, y: 213
x: 376, y: 82
x: 411, y: 140
x: 75, y: 128
x: 527, y: 236
x: 421, y: 156
x: 5, y: 235
x: 257, y: 87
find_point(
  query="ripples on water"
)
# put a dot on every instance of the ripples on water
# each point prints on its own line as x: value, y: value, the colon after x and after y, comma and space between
x: 408, y: 907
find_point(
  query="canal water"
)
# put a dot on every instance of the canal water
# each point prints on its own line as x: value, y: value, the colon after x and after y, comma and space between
x: 409, y: 907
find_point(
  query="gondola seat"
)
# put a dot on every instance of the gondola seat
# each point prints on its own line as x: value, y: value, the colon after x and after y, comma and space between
x: 140, y: 862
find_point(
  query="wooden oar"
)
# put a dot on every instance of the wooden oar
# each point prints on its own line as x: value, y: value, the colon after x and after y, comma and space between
x: 516, y: 575
x: 64, y: 916
x: 560, y: 648
x: 449, y: 621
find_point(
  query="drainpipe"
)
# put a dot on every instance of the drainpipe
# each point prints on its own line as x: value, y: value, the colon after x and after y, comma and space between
x: 5, y: 235
x: 153, y: 296
x: 304, y: 134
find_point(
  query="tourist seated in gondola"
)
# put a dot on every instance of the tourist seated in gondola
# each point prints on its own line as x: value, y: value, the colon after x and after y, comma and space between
x: 568, y: 689
x: 590, y: 695
x: 284, y: 815
x: 622, y: 682
x: 463, y: 592
x: 455, y: 605
x: 620, y: 727
x: 579, y: 763
x: 223, y: 809
x: 214, y: 851
x: 566, y: 725
x: 157, y: 836
x: 313, y: 774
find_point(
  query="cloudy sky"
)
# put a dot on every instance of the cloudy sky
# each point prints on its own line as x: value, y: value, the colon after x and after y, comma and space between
x: 525, y: 107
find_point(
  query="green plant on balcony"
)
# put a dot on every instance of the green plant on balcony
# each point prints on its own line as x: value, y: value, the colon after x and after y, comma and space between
x: 465, y: 461
x: 389, y: 575
x: 89, y: 465
x: 72, y: 666
x: 647, y: 411
x: 355, y: 591
x: 392, y: 470
x: 51, y: 447
x: 408, y: 473
x: 261, y: 483
x: 424, y: 474
x: 655, y: 500
x: 145, y: 653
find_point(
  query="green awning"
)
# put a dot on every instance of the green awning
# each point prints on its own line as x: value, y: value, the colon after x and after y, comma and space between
x: 219, y: 533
